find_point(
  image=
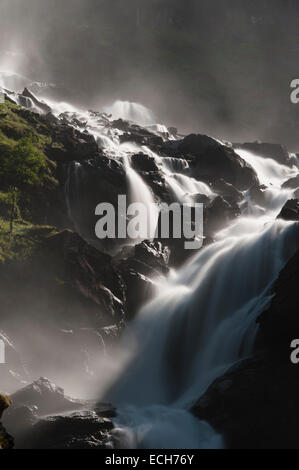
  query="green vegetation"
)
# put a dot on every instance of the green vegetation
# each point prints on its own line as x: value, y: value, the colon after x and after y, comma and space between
x: 25, y: 238
x: 25, y: 169
x: 5, y: 403
x: 6, y: 441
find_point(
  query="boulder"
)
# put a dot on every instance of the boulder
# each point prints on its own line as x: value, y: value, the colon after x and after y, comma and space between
x: 292, y: 183
x: 254, y: 405
x: 69, y: 144
x: 43, y: 107
x: 227, y: 190
x: 279, y: 324
x: 143, y: 162
x: 290, y: 211
x: 137, y: 134
x: 258, y: 195
x: 213, y: 161
x: 217, y: 214
x: 147, y: 260
x: 79, y: 430
x: 46, y: 397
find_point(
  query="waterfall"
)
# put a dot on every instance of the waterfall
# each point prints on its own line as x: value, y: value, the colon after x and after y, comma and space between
x: 140, y: 193
x: 202, y: 322
x: 131, y: 112
x: 203, y: 319
x: 268, y: 170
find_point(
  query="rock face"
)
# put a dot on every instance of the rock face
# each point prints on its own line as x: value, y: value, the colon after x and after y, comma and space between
x: 43, y: 107
x: 137, y: 134
x: 290, y: 211
x: 77, y: 427
x: 146, y: 261
x: 255, y: 404
x: 292, y: 183
x: 80, y: 430
x: 268, y: 150
x: 213, y: 161
x: 279, y: 325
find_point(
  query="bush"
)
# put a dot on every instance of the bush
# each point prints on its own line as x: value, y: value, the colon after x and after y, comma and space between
x: 22, y: 166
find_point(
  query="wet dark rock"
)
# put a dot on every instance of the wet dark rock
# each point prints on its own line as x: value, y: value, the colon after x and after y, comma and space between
x: 97, y: 180
x: 201, y: 199
x: 46, y: 397
x: 20, y: 419
x: 71, y: 144
x: 91, y: 274
x: 140, y: 289
x: 213, y: 161
x: 145, y: 261
x: 276, y: 152
x: 290, y: 211
x: 25, y: 101
x: 292, y: 183
x: 159, y: 185
x: 258, y: 195
x: 279, y: 324
x: 138, y: 134
x: 71, y: 423
x: 143, y: 162
x: 43, y: 107
x: 79, y: 430
x: 217, y: 214
x: 227, y: 190
x: 254, y: 406
x: 153, y: 254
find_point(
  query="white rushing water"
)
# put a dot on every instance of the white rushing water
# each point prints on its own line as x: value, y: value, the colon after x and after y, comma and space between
x: 129, y: 111
x: 203, y: 322
x: 204, y: 318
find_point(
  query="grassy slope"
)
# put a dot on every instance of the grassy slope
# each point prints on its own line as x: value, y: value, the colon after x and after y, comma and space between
x: 13, y: 127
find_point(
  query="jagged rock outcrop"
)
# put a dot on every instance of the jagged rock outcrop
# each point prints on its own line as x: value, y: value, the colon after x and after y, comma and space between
x: 292, y: 183
x: 290, y: 211
x: 227, y: 190
x: 147, y: 260
x: 137, y: 134
x: 218, y: 213
x: 213, y: 161
x: 42, y: 107
x: 279, y: 324
x: 79, y: 430
x: 71, y: 423
x: 258, y: 195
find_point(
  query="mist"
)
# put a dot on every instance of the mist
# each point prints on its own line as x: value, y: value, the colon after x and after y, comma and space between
x: 217, y: 67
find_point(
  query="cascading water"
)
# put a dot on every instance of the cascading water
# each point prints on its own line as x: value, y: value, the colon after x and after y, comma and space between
x: 201, y: 324
x: 140, y: 193
x: 203, y: 320
x: 131, y: 111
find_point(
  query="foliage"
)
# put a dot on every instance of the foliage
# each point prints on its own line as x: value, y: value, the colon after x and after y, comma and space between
x: 25, y: 238
x: 22, y: 166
